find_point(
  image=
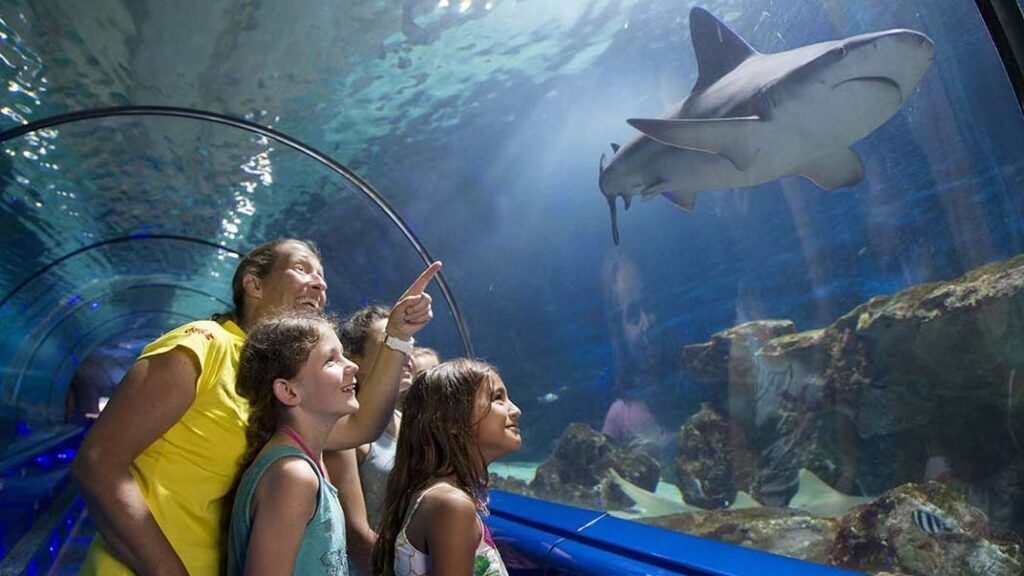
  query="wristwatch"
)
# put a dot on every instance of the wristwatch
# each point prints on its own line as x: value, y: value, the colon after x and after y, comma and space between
x: 403, y: 346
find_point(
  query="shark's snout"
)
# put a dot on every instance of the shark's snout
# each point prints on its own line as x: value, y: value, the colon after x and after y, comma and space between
x: 900, y: 56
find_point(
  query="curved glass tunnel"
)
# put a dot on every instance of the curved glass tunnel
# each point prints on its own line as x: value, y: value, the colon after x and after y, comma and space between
x: 805, y: 372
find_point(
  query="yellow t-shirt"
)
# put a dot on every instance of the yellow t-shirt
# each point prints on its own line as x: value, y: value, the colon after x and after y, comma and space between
x: 186, y: 473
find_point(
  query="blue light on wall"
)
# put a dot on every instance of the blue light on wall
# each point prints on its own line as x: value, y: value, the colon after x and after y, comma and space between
x: 44, y: 461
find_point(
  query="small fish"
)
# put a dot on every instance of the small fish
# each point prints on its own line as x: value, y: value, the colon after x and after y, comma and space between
x: 548, y: 398
x: 930, y: 522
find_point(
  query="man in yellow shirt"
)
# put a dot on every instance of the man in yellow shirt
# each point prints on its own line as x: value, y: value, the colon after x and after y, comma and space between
x: 158, y: 464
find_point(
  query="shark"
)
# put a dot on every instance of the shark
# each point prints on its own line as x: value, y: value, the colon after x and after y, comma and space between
x: 751, y: 118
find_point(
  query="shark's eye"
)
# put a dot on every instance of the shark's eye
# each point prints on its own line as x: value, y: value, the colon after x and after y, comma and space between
x: 839, y: 51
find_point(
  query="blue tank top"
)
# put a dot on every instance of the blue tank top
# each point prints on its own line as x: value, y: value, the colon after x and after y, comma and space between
x: 323, y: 545
x: 373, y: 475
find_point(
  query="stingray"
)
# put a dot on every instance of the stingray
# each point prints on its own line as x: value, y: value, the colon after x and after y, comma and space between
x: 813, y: 496
x: 816, y: 497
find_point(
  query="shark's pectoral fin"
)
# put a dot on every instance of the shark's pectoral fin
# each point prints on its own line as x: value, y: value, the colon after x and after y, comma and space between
x: 652, y: 190
x: 837, y: 170
x: 737, y: 139
x: 685, y: 200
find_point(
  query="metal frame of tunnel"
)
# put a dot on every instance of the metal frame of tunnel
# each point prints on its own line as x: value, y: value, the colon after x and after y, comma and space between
x: 295, y: 144
x: 27, y: 359
x: 25, y: 356
x: 1005, y: 24
x: 56, y: 262
x: 102, y: 327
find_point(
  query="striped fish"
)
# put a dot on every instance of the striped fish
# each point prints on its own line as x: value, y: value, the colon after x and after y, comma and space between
x: 930, y: 523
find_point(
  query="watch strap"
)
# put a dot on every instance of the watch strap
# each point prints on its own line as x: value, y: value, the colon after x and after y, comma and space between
x: 403, y: 346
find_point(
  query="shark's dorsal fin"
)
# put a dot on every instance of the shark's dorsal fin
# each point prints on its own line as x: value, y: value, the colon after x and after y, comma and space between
x: 615, y: 147
x: 718, y: 49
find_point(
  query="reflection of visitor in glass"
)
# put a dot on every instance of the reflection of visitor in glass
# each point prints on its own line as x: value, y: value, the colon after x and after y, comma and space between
x: 638, y: 356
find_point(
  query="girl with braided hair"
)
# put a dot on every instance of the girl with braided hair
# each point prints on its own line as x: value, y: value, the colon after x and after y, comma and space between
x: 286, y: 517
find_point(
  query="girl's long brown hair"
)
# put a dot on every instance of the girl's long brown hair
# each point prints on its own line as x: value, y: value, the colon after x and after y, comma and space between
x: 438, y: 438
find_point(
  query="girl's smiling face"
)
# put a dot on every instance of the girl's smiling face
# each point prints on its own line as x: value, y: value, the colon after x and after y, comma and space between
x: 497, y: 420
x: 328, y: 379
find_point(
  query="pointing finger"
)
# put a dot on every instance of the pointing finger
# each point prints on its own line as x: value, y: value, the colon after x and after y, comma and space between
x: 421, y: 283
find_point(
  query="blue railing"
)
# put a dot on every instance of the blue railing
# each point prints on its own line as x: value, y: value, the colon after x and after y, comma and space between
x: 544, y: 538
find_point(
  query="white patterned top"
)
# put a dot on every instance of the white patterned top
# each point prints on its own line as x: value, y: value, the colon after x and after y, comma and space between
x: 411, y: 562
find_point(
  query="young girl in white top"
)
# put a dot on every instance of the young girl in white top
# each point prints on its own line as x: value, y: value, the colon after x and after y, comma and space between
x: 458, y: 418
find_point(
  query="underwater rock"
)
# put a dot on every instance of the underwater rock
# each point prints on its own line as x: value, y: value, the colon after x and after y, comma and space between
x: 790, y: 533
x: 704, y: 469
x: 580, y: 463
x: 509, y: 484
x: 776, y: 389
x: 728, y: 355
x: 865, y: 403
x: 884, y: 535
x: 880, y: 537
x: 725, y: 364
x: 933, y: 364
x: 945, y: 341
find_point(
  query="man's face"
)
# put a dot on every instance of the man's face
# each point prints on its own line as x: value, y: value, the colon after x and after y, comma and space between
x: 296, y: 281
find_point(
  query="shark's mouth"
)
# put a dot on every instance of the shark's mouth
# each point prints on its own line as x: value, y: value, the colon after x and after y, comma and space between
x: 869, y: 81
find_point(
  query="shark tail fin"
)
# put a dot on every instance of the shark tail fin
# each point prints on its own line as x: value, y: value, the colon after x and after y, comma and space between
x: 718, y: 49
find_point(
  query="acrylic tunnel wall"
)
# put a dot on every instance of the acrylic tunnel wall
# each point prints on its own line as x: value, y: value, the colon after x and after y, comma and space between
x: 807, y: 342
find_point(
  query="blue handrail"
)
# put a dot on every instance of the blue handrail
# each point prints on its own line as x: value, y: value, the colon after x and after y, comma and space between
x: 561, y: 539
